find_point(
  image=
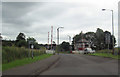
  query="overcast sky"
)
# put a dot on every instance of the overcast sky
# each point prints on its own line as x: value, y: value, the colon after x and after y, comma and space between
x: 34, y: 17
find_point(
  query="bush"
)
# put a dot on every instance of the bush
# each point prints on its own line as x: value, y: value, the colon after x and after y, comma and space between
x: 12, y: 53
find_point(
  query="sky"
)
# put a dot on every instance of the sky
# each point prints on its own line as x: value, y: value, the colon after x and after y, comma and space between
x: 35, y: 17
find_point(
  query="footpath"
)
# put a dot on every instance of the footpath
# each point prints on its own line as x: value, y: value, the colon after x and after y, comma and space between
x: 33, y: 69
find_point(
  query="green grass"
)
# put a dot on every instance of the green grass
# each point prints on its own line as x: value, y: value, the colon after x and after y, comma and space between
x: 13, y: 53
x: 24, y: 61
x: 106, y: 55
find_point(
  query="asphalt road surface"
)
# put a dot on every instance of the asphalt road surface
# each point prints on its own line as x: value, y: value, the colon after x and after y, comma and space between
x: 75, y: 64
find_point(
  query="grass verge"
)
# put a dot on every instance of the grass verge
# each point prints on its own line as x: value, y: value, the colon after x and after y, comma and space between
x: 106, y: 55
x: 24, y: 61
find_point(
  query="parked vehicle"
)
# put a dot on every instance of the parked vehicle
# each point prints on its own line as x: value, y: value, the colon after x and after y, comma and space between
x: 78, y: 52
x: 88, y: 50
x: 50, y: 51
x: 85, y: 51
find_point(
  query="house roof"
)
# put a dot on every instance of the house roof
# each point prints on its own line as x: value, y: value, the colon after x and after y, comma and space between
x: 82, y: 40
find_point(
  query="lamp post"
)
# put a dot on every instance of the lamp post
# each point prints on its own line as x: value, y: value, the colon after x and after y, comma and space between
x: 58, y: 35
x: 112, y: 27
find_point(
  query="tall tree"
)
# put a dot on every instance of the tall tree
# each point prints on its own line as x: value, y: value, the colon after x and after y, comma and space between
x: 21, y: 41
x: 21, y: 36
x: 97, y: 40
x: 65, y: 46
x: 90, y: 36
x: 100, y: 38
x: 78, y: 37
x: 31, y: 40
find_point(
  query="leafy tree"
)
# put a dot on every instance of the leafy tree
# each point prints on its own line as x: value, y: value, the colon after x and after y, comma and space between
x: 54, y: 45
x: 36, y: 46
x: 21, y: 36
x: 111, y: 41
x: 65, y: 46
x: 8, y: 43
x: 31, y: 40
x: 97, y: 39
x: 21, y: 41
x: 106, y: 38
x: 100, y: 39
x: 78, y: 37
x: 90, y: 36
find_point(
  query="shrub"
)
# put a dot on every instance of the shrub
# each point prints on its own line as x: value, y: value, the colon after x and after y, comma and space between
x: 12, y: 53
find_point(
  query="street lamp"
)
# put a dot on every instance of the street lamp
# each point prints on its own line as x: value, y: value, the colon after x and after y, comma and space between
x: 58, y: 35
x: 112, y: 27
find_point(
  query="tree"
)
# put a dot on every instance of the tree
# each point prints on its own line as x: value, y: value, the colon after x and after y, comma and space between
x: 8, y: 43
x: 21, y: 41
x: 54, y: 45
x: 21, y: 36
x: 107, y: 39
x: 65, y: 46
x: 36, y: 46
x: 31, y: 40
x: 90, y: 36
x: 111, y: 41
x: 99, y: 39
x: 78, y: 37
x: 96, y: 40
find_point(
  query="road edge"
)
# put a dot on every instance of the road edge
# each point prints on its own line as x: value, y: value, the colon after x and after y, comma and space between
x: 39, y: 71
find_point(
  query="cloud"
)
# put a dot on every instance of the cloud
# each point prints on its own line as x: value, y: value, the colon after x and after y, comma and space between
x: 36, y: 18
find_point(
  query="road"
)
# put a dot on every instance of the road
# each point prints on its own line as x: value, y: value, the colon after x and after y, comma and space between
x: 75, y: 64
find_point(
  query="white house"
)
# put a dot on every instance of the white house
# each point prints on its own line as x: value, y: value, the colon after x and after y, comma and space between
x: 81, y: 44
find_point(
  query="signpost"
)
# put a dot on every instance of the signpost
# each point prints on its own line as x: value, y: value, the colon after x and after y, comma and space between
x: 32, y: 46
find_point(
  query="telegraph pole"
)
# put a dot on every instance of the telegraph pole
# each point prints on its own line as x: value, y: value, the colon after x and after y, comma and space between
x: 51, y: 36
x: 48, y: 40
x: 58, y: 36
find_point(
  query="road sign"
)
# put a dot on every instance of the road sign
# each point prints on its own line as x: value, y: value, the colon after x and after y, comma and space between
x: 32, y: 46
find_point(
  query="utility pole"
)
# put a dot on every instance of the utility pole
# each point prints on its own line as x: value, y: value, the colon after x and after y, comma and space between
x: 113, y: 31
x: 51, y: 36
x: 112, y: 28
x: 48, y: 40
x: 58, y: 36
